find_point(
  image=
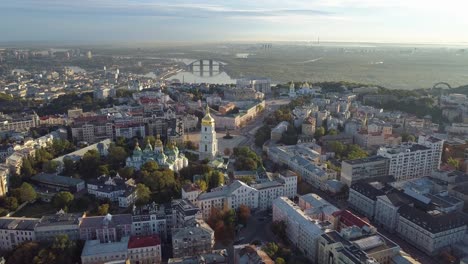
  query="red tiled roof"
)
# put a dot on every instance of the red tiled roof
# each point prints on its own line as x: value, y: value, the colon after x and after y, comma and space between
x: 144, y: 241
x: 350, y: 219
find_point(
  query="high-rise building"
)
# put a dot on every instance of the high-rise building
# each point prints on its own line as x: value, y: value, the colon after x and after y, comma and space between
x: 208, y: 147
x: 410, y: 160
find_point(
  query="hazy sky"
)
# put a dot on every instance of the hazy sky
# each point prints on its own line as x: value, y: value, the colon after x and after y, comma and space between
x: 240, y: 20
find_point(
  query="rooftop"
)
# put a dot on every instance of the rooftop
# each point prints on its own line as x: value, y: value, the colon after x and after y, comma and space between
x: 434, y: 223
x: 94, y: 247
x: 56, y: 179
x: 18, y: 223
x: 59, y: 218
x: 144, y: 241
x: 365, y: 160
x: 108, y: 220
x: 367, y: 190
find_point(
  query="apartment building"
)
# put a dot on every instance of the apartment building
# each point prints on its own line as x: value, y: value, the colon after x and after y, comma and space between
x: 108, y: 228
x: 410, y: 160
x: 228, y: 197
x: 61, y: 223
x: 16, y: 230
x: 301, y: 229
x: 144, y: 250
x: 363, y: 169
x: 192, y: 240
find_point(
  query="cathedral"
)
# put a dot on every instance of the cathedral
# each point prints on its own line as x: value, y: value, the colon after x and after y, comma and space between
x: 168, y: 158
x: 208, y: 147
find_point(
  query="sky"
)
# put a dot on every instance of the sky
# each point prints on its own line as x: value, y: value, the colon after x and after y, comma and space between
x: 103, y: 21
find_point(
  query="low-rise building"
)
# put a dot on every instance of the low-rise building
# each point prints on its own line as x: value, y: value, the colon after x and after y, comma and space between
x: 58, y: 183
x: 228, y: 197
x: 191, y: 192
x: 214, y: 257
x: 144, y: 249
x: 192, y: 240
x: 115, y: 189
x: 61, y: 223
x: 108, y: 228
x: 352, y: 246
x: 15, y: 231
x: 95, y: 252
x: 250, y: 254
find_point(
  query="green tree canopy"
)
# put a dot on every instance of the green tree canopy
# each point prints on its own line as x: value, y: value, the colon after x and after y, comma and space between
x: 143, y: 194
x: 62, y: 200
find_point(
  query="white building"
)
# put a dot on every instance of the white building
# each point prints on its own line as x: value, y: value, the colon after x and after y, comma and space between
x: 410, y: 160
x: 386, y: 209
x: 292, y: 90
x: 363, y: 198
x: 191, y: 192
x: 150, y: 224
x: 228, y: 197
x: 16, y: 230
x: 208, y: 147
x: 284, y: 184
x: 302, y: 230
x: 95, y: 252
x: 115, y: 189
x: 430, y: 231
x: 317, y: 207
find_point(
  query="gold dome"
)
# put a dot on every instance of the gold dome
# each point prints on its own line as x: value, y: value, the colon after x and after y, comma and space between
x: 208, y: 120
x: 158, y: 142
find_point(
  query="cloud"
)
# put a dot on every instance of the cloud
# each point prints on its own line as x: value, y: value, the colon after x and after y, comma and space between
x: 155, y: 8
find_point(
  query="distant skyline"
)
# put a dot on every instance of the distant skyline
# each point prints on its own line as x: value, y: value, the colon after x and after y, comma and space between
x: 104, y: 21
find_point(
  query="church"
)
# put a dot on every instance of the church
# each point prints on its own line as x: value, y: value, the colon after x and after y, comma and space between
x: 166, y: 158
x: 208, y: 147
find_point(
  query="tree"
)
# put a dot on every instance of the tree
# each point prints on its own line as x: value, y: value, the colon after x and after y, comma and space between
x: 332, y: 132
x: 25, y: 193
x: 405, y: 137
x: 10, y: 203
x: 190, y: 145
x: 202, y: 185
x: 68, y: 166
x: 270, y: 249
x: 24, y: 253
x: 290, y: 136
x: 126, y: 172
x: 103, y: 209
x: 62, y: 200
x: 338, y: 148
x: 143, y: 194
x: 103, y: 170
x: 319, y: 132
x: 45, y: 257
x: 279, y: 229
x: 27, y: 169
x: 453, y: 163
x: 227, y: 152
x: 243, y: 214
x: 280, y: 261
x: 216, y: 179
x: 150, y: 166
x: 50, y: 166
x: 262, y: 135
x: 117, y: 156
x: 89, y: 164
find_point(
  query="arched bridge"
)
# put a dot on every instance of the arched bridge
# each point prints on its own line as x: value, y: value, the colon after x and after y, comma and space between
x: 442, y: 85
x: 205, y: 68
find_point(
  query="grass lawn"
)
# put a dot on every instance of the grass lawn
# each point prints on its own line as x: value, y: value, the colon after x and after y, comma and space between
x: 36, y: 209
